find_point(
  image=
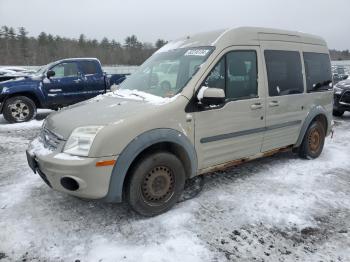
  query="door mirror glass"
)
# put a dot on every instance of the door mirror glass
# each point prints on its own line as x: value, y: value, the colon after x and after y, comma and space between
x: 211, y: 96
x: 50, y: 73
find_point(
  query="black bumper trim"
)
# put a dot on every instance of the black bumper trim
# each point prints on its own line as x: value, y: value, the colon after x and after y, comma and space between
x: 35, y: 167
x: 43, y: 176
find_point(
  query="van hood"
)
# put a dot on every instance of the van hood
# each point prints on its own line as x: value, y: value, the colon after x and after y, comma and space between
x: 102, y: 110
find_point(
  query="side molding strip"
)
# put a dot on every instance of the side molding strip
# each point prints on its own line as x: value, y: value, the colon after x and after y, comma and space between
x: 248, y: 132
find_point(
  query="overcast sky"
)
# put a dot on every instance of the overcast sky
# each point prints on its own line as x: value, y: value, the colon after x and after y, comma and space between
x: 169, y: 19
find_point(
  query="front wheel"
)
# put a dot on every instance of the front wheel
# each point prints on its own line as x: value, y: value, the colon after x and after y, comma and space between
x: 19, y: 109
x: 156, y: 184
x: 313, y: 141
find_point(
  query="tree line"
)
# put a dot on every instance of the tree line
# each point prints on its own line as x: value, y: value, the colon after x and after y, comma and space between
x: 18, y: 48
x: 339, y: 55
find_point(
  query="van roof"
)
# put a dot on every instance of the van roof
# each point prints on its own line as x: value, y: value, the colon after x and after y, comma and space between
x: 243, y: 36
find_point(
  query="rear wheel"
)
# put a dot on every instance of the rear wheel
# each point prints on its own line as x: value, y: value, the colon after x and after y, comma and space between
x: 338, y: 112
x: 313, y: 141
x: 156, y: 183
x: 19, y: 109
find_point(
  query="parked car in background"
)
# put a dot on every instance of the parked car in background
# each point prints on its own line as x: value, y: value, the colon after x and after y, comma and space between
x: 339, y: 74
x: 18, y: 69
x: 61, y: 83
x: 8, y: 74
x: 239, y: 94
x: 341, y: 97
x: 166, y: 74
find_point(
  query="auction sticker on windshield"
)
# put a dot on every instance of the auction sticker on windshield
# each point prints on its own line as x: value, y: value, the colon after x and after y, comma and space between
x: 197, y: 52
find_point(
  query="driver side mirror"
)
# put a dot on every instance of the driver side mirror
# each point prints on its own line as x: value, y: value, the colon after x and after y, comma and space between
x: 50, y: 73
x: 211, y: 96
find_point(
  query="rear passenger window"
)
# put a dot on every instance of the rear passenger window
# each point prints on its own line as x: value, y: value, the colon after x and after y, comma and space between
x: 284, y: 72
x: 89, y: 67
x: 318, y: 72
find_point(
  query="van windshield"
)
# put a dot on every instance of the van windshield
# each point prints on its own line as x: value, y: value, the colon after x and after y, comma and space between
x: 166, y: 73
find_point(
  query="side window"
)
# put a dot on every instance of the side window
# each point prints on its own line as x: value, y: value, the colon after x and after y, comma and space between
x: 66, y: 70
x: 284, y: 72
x: 241, y: 75
x: 318, y: 71
x: 89, y: 67
x: 216, y: 78
x: 59, y: 70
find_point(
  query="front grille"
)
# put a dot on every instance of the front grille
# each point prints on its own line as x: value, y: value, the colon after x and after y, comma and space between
x: 50, y: 139
x: 345, y: 98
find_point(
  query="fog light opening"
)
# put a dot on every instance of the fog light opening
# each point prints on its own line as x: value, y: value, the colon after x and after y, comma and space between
x: 69, y: 183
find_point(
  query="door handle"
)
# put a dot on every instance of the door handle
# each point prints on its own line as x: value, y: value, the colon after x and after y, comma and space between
x: 77, y: 81
x: 256, y: 106
x: 274, y: 103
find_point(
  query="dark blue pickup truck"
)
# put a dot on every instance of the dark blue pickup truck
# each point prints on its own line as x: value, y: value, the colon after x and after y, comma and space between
x: 61, y: 83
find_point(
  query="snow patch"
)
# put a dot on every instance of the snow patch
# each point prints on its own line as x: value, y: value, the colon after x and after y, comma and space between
x: 182, y: 247
x: 201, y: 93
x: 135, y: 95
x: 19, y: 126
x: 36, y: 147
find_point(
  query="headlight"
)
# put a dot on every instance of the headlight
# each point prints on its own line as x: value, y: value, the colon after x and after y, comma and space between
x: 337, y: 90
x: 81, y: 139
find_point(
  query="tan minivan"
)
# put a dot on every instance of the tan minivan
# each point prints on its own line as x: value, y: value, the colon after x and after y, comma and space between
x: 199, y: 104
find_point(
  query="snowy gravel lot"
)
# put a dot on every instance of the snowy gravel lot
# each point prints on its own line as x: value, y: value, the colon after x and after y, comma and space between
x: 279, y: 208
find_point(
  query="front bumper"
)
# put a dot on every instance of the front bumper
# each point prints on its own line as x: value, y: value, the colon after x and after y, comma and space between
x: 93, y: 182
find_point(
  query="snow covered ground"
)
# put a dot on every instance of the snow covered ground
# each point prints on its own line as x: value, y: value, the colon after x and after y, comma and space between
x: 279, y: 208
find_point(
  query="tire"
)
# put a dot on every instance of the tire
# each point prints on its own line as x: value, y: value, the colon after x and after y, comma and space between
x: 338, y: 112
x: 19, y: 109
x: 163, y: 170
x: 313, y: 141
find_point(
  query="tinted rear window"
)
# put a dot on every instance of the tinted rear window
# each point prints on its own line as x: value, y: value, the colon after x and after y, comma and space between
x: 89, y: 68
x: 284, y: 72
x: 318, y: 71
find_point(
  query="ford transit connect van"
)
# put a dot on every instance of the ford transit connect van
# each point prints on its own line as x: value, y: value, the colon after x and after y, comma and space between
x: 230, y: 96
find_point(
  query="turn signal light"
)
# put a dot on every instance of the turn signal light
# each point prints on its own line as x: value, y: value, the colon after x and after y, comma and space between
x: 106, y: 163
